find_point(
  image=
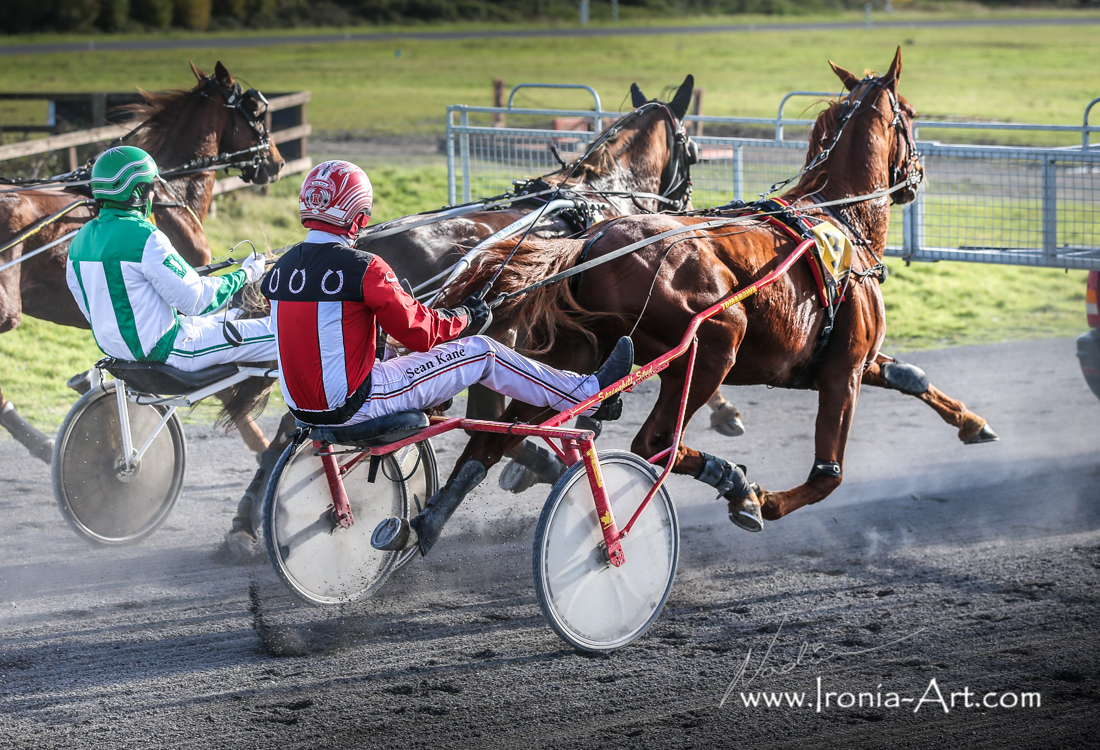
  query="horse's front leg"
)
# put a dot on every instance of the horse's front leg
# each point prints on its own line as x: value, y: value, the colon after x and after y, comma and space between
x: 888, y: 372
x: 838, y: 393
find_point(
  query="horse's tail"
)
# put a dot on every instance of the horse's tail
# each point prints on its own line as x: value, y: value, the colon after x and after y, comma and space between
x: 247, y: 398
x: 539, y: 317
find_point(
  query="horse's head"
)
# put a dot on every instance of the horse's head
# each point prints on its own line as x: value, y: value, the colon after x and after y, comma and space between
x: 241, y: 123
x: 681, y: 151
x: 870, y: 132
x: 646, y: 151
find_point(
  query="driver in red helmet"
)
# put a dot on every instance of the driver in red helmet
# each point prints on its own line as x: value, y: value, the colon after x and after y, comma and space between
x: 329, y: 299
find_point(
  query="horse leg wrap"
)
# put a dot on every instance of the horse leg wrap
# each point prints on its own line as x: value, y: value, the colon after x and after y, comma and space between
x: 429, y: 524
x: 250, y: 508
x: 539, y: 460
x: 728, y: 479
x: 825, y: 468
x: 904, y: 377
x: 39, y: 445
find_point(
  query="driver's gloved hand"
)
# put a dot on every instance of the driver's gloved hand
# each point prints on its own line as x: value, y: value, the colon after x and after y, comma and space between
x: 254, y: 266
x: 479, y: 313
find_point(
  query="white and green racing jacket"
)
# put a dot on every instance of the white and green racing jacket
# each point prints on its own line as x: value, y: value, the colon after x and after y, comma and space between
x: 129, y: 282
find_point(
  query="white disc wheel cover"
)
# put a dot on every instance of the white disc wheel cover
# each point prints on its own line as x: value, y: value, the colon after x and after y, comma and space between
x: 591, y: 604
x: 322, y: 564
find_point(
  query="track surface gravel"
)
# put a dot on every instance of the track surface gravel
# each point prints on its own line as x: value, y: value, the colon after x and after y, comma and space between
x: 973, y: 566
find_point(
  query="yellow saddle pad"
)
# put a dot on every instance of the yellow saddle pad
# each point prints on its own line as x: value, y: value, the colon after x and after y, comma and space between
x: 833, y: 256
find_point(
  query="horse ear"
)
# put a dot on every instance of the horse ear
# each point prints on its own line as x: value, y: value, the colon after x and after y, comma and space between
x: 223, y: 76
x: 847, y: 77
x: 894, y: 74
x: 680, y: 103
x: 198, y: 73
x: 637, y: 98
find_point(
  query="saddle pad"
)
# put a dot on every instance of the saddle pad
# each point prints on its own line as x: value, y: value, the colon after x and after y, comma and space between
x: 832, y: 260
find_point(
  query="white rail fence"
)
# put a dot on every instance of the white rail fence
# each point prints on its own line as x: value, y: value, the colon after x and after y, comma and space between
x: 1017, y: 205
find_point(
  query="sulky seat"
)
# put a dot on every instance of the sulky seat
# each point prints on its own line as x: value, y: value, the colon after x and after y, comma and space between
x: 373, y: 433
x: 164, y: 380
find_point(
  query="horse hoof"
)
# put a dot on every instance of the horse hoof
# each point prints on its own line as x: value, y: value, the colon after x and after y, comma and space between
x: 240, y: 546
x: 727, y: 421
x: 515, y: 477
x: 984, y: 435
x: 392, y: 534
x: 744, y: 512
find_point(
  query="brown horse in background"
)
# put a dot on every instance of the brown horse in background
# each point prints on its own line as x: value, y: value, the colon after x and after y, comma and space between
x: 175, y: 127
x: 860, y: 145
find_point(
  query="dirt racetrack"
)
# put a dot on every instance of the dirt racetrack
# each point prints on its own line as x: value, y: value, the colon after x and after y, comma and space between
x: 962, y: 574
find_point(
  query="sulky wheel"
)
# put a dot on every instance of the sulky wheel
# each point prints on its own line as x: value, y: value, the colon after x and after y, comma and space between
x: 591, y: 604
x: 320, y: 562
x: 102, y: 500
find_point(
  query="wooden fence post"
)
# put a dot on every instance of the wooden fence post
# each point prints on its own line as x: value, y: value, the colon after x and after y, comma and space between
x: 697, y: 109
x: 498, y: 102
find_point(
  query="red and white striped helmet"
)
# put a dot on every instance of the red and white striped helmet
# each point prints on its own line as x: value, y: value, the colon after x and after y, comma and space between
x: 337, y: 193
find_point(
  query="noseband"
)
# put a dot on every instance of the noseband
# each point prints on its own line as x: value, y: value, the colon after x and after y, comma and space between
x: 252, y: 106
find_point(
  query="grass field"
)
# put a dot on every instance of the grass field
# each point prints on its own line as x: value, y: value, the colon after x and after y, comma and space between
x: 1045, y: 74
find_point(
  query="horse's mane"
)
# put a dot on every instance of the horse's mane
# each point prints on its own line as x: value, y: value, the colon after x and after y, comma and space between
x: 822, y: 132
x: 601, y: 162
x: 159, y: 106
x: 539, y: 316
x: 824, y: 127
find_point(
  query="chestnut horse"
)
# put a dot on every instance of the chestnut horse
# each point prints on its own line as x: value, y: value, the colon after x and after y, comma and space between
x: 176, y: 128
x: 860, y: 146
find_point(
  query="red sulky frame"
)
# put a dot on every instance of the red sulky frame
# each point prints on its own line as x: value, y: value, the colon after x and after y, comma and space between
x: 577, y: 445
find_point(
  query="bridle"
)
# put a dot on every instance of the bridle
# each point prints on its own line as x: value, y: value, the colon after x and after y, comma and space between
x: 674, y: 189
x: 252, y: 106
x: 903, y: 172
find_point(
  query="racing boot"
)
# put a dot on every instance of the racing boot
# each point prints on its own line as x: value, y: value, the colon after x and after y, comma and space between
x: 615, y: 367
x: 396, y: 533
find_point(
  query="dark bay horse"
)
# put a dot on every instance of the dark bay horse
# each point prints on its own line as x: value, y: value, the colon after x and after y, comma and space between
x: 176, y: 128
x: 647, y: 151
x: 861, y: 145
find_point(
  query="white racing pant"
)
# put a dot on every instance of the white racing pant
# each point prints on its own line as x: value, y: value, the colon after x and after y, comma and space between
x: 424, y: 379
x: 201, y: 342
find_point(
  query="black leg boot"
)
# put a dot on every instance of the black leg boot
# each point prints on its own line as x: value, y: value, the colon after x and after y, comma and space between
x: 397, y: 533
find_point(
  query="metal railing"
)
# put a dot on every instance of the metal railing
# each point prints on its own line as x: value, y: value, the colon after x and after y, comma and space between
x: 1032, y: 206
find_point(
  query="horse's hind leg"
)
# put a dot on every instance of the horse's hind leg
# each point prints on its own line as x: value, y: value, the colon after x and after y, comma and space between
x: 724, y: 416
x: 242, y: 534
x: 887, y: 372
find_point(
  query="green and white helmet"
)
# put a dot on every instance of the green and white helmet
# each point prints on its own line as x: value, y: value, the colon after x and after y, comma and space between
x: 124, y: 175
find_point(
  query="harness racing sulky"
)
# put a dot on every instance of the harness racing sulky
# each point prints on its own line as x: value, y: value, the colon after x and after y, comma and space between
x: 783, y: 292
x: 217, y: 124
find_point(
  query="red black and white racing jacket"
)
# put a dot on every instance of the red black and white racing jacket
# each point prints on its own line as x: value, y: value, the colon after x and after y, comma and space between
x: 327, y: 300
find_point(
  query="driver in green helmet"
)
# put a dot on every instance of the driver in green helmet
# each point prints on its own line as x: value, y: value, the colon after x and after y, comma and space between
x: 132, y: 285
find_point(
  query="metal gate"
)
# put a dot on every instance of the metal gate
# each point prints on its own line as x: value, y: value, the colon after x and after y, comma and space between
x: 988, y: 204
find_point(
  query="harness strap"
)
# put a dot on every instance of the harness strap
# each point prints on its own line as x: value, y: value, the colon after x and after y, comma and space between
x: 41, y: 224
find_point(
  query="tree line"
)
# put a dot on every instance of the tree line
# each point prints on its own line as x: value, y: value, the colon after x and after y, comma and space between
x: 136, y: 16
